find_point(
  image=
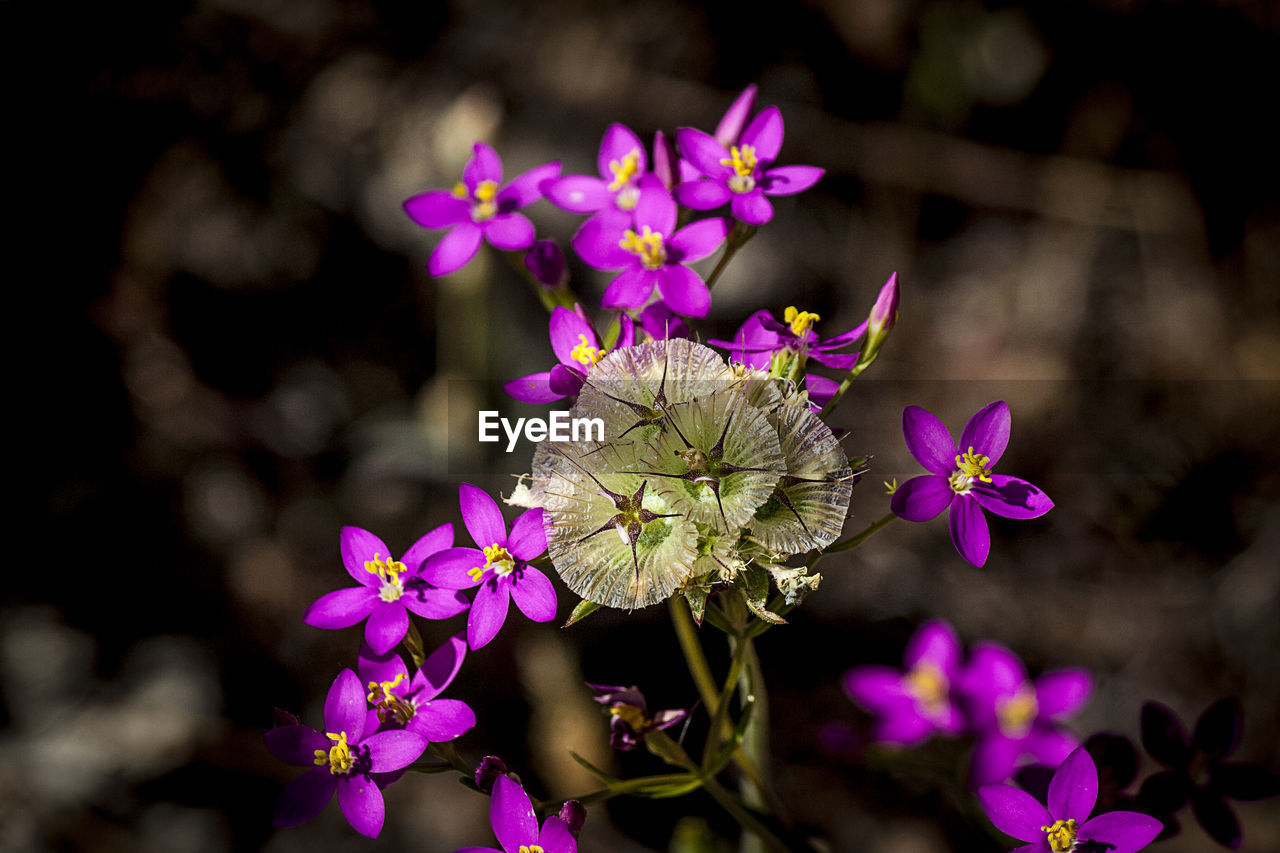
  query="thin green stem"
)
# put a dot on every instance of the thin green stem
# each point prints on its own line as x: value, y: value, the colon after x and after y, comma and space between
x: 720, y: 711
x: 617, y: 789
x: 845, y: 383
x: 738, y: 238
x: 687, y: 634
x: 550, y: 297
x: 854, y: 541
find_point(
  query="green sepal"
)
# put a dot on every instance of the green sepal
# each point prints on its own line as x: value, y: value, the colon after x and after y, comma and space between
x: 582, y: 611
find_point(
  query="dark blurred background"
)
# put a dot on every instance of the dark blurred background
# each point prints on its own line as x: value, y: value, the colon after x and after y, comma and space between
x: 236, y: 350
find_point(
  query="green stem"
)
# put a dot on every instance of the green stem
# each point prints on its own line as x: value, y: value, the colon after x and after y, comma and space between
x: 687, y: 634
x: 844, y: 385
x: 550, y: 297
x: 738, y: 238
x: 617, y: 789
x: 749, y: 822
x: 854, y: 541
x: 449, y: 753
x: 720, y: 710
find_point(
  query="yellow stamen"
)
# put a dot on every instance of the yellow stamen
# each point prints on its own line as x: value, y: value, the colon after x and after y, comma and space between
x: 624, y: 172
x: 389, y: 570
x: 459, y: 190
x: 585, y: 354
x: 1017, y: 712
x: 386, y: 703
x: 631, y: 715
x: 531, y: 848
x: 929, y: 686
x: 969, y: 467
x: 801, y: 321
x: 1062, y: 835
x: 743, y: 161
x: 485, y: 207
x: 497, y: 558
x: 338, y: 757
x: 648, y: 245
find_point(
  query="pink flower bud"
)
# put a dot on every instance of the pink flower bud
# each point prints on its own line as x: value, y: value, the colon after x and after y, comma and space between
x: 546, y: 261
x: 885, y: 312
x: 574, y: 814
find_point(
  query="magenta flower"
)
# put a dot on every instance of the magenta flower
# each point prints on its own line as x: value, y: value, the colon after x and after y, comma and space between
x: 914, y: 704
x: 629, y: 720
x: 401, y: 701
x: 964, y: 482
x: 545, y: 262
x: 1014, y: 716
x: 479, y: 207
x: 742, y: 174
x: 652, y: 253
x: 613, y: 196
x: 761, y: 337
x: 577, y: 346
x: 516, y: 826
x: 342, y: 758
x: 1065, y: 824
x: 388, y: 588
x: 735, y: 118
x: 501, y: 570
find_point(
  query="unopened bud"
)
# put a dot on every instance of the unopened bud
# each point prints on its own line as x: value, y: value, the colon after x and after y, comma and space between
x: 574, y: 814
x: 546, y: 262
x: 885, y: 312
x: 491, y: 767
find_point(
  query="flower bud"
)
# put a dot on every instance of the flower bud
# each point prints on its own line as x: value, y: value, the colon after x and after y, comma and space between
x: 885, y: 312
x: 574, y: 814
x: 491, y: 767
x: 545, y: 261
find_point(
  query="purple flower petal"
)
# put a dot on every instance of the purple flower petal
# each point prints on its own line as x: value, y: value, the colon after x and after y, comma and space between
x: 1121, y: 832
x: 394, y: 749
x: 1011, y: 497
x: 617, y: 143
x: 512, y: 815
x: 684, y: 290
x: 876, y: 688
x: 305, y: 797
x: 443, y: 719
x: 578, y: 193
x: 556, y: 837
x: 704, y: 153
x: 1163, y: 736
x: 994, y: 758
x: 1014, y: 812
x: 509, y: 231
x: 1048, y: 745
x: 344, y: 706
x: 534, y: 388
x: 428, y: 544
x: 437, y: 209
x: 839, y: 361
x: 295, y: 745
x: 730, y: 126
x: 358, y: 547
x: 362, y: 805
x: 455, y: 249
x: 789, y: 180
x: 928, y: 441
x: 921, y: 498
x: 821, y: 390
x: 387, y: 625
x: 1063, y: 692
x: 905, y: 727
x: 752, y: 207
x: 987, y: 432
x: 565, y: 381
x: 484, y: 165
x: 378, y: 668
x: 664, y: 159
x: 1218, y: 730
x: 936, y: 643
x: 534, y: 594
x: 702, y: 194
x: 341, y: 608
x: 431, y: 603
x: 764, y: 134
x: 440, y: 668
x: 631, y: 289
x: 488, y: 613
x: 597, y: 242
x: 969, y: 531
x: 844, y: 339
x: 1073, y: 790
x: 566, y: 330
x: 699, y: 239
x: 526, y: 188
x: 481, y: 515
x: 655, y: 207
x: 528, y: 537
x: 450, y: 569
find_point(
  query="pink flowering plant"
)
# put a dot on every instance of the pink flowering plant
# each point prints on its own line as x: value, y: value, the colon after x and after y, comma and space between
x: 715, y: 486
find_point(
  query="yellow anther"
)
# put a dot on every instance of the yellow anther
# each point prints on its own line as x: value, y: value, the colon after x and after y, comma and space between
x: 631, y: 715
x: 485, y: 206
x: 801, y: 321
x: 497, y: 558
x: 338, y: 757
x: 531, y: 848
x: 1016, y: 713
x: 584, y: 353
x: 380, y: 691
x: 973, y: 466
x: 742, y: 159
x: 624, y: 172
x: 1062, y: 835
x: 459, y: 190
x: 648, y: 245
x: 476, y: 573
x: 388, y: 569
x: 929, y: 686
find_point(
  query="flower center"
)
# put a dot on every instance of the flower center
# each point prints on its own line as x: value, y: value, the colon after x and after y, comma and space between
x: 801, y: 321
x: 584, y: 353
x: 626, y: 198
x: 929, y: 687
x: 624, y: 172
x: 389, y: 570
x: 631, y: 715
x: 496, y: 557
x: 743, y: 160
x: 339, y: 757
x: 1016, y: 713
x: 388, y: 704
x: 969, y: 467
x: 648, y: 245
x: 484, y: 207
x: 1062, y: 835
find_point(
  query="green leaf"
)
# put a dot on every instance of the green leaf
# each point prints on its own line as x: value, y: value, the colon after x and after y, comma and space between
x: 582, y: 611
x: 593, y: 770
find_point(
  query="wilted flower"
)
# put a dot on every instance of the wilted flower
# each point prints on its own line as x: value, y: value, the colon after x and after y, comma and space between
x: 1014, y: 716
x: 962, y: 480
x: 501, y: 570
x: 1065, y: 824
x: 479, y: 207
x: 578, y: 347
x: 516, y: 825
x: 629, y: 719
x: 912, y: 705
x: 388, y: 587
x: 342, y: 759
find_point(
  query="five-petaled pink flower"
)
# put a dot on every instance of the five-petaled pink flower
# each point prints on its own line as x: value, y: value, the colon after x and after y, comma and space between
x: 516, y: 825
